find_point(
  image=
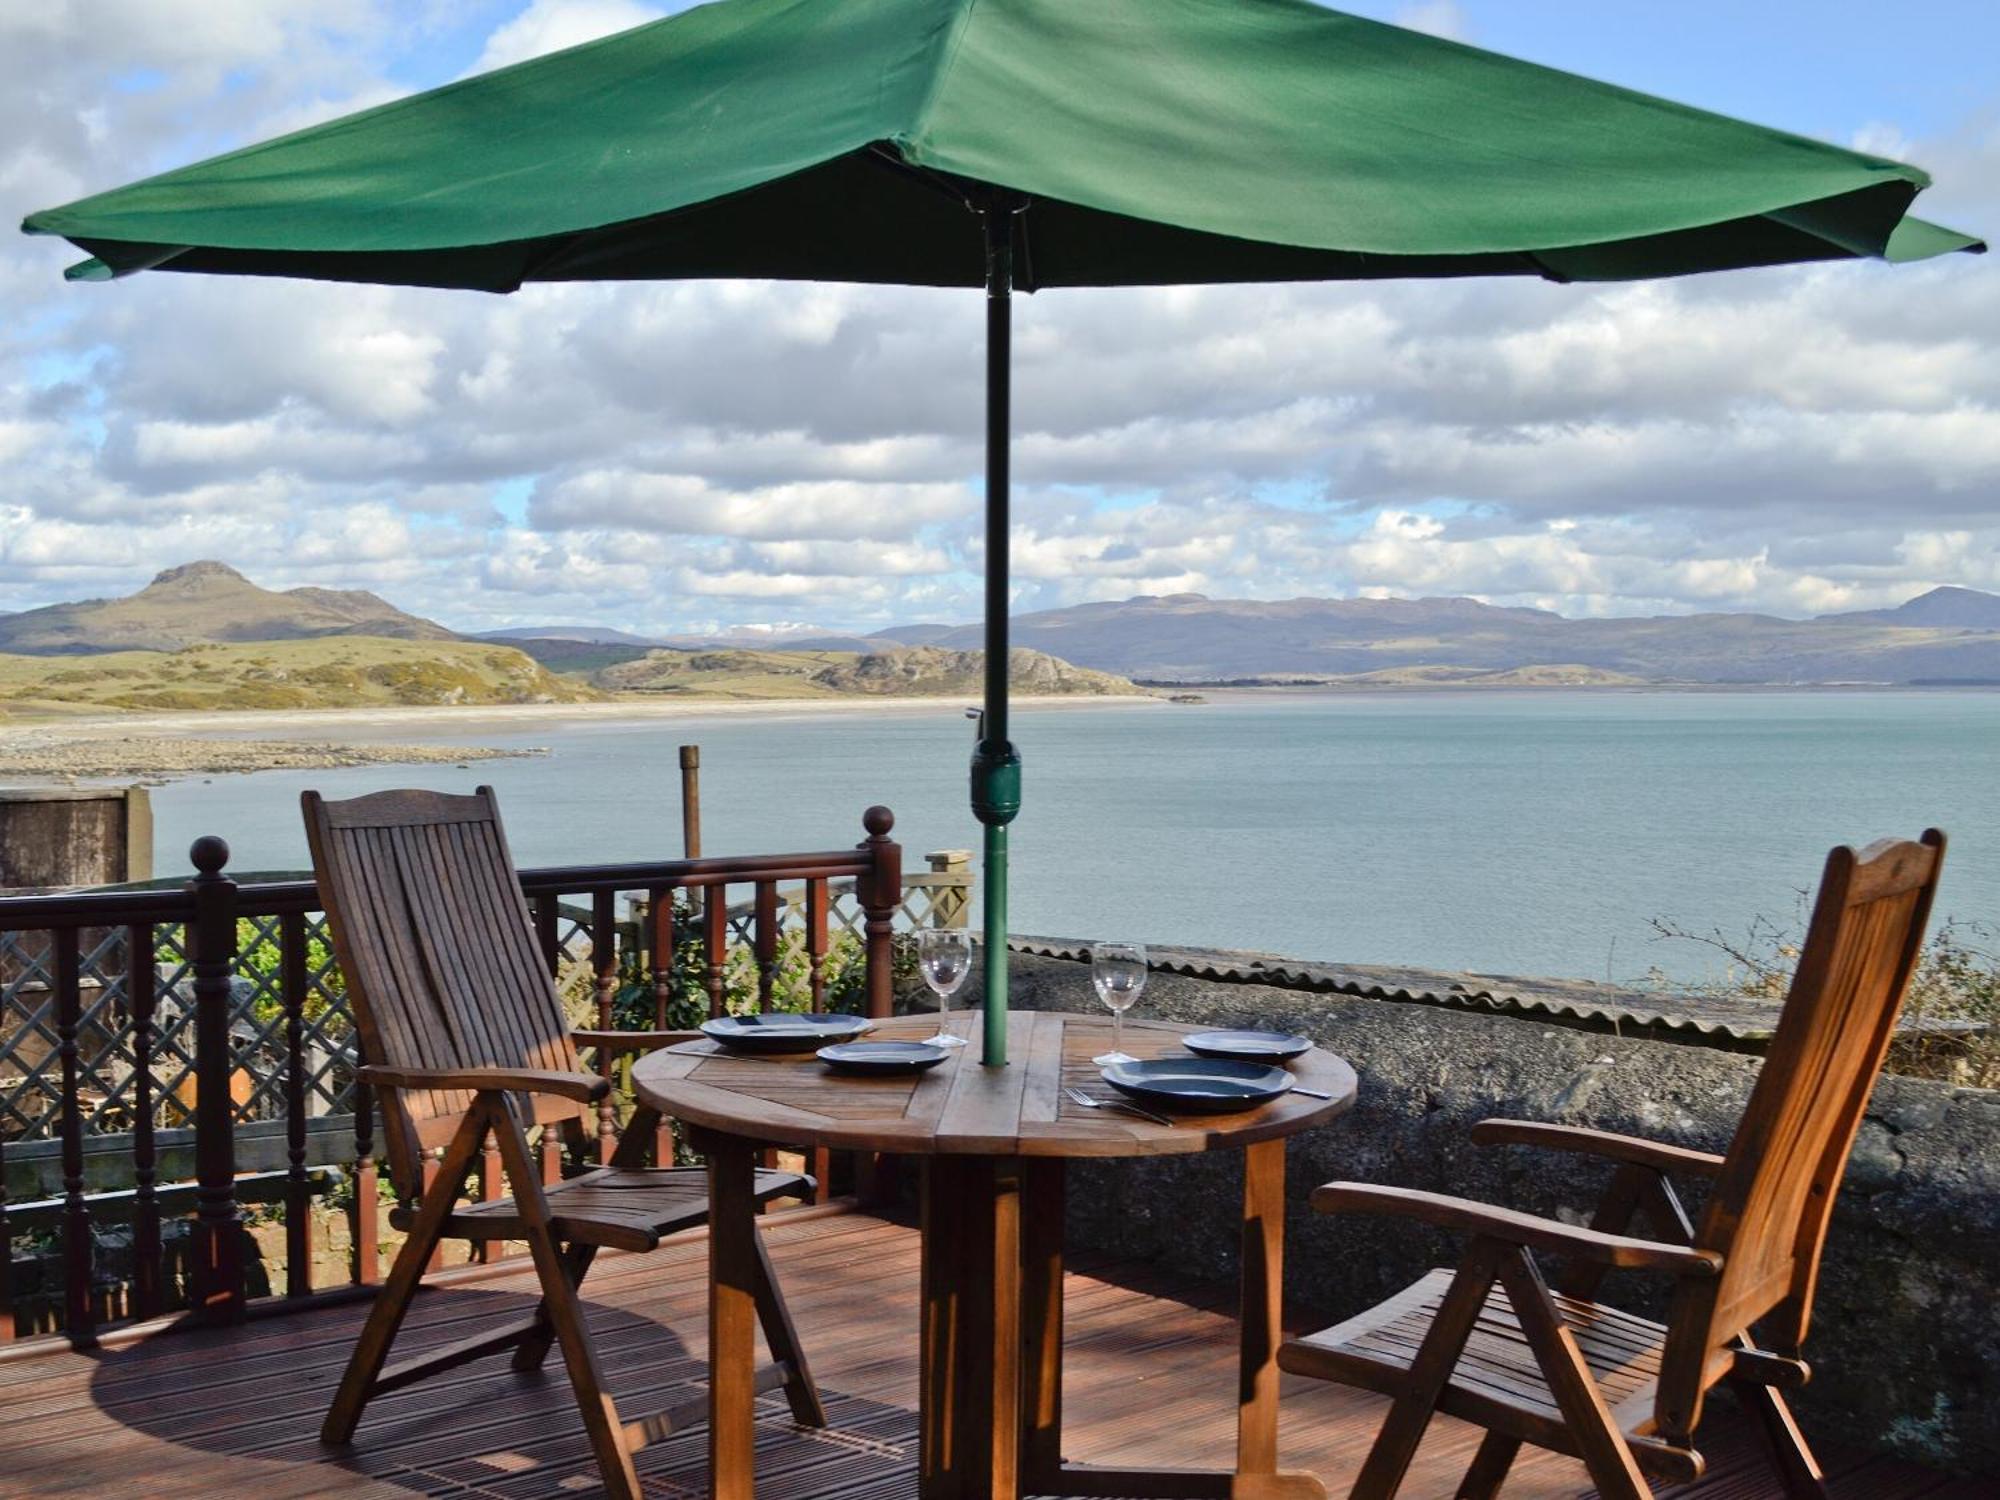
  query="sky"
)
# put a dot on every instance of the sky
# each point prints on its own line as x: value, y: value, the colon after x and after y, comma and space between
x: 696, y: 456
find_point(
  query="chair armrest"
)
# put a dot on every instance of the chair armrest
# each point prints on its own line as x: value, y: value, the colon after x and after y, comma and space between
x: 585, y: 1088
x: 1467, y: 1217
x: 629, y: 1041
x: 1631, y: 1149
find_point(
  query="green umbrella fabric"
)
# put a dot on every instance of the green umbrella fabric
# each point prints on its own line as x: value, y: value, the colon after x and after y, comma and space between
x: 1161, y: 141
x: 1011, y: 143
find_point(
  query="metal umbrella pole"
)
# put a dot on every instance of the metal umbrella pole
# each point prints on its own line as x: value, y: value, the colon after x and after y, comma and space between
x: 996, y: 765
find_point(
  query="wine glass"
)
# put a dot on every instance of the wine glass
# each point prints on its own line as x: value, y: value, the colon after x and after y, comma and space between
x: 944, y: 954
x: 1119, y: 972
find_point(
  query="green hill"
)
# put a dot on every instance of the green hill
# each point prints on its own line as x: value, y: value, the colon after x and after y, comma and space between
x: 332, y: 672
x: 922, y: 671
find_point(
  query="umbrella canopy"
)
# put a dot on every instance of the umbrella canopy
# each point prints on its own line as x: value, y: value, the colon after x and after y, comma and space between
x: 1004, y: 143
x: 1163, y: 141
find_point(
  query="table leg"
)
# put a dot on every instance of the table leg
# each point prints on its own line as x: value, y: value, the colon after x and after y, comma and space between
x: 1256, y: 1475
x: 732, y: 1316
x: 970, y: 1382
x: 1262, y: 1329
x: 1042, y: 1184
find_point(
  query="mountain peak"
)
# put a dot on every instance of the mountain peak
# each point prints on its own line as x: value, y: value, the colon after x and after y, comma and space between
x: 1948, y: 607
x: 196, y: 572
x: 201, y: 603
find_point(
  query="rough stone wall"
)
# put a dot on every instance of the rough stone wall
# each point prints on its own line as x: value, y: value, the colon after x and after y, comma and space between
x: 1905, y: 1342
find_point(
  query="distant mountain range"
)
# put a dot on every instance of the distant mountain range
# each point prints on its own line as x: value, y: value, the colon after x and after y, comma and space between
x: 207, y: 603
x: 1949, y: 635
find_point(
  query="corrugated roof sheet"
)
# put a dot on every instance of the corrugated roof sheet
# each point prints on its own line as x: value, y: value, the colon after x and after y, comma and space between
x: 1711, y: 1019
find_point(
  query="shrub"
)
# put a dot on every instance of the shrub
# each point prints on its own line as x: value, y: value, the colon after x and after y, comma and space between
x: 1957, y: 981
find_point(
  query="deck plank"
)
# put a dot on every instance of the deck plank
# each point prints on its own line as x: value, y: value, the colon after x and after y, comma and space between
x: 1150, y: 1380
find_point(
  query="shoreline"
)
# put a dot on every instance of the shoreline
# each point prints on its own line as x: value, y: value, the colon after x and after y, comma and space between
x: 155, y: 748
x: 284, y: 720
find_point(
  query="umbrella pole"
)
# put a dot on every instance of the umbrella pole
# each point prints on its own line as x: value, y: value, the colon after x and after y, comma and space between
x: 996, y: 767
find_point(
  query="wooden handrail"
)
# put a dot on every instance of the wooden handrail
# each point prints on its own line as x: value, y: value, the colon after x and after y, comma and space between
x: 207, y: 911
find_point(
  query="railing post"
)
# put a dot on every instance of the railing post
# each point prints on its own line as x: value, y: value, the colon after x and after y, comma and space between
x: 79, y: 1250
x: 142, y: 993
x: 293, y: 988
x: 604, y: 970
x: 218, y: 1243
x: 366, y: 1229
x: 881, y: 892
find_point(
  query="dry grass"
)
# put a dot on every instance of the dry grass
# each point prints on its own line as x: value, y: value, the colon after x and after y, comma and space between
x: 1957, y: 982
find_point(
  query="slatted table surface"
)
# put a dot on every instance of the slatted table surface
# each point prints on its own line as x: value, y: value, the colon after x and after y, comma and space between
x: 960, y: 1108
x: 235, y: 1412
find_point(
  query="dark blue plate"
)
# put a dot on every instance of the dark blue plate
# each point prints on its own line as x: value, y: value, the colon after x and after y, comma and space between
x: 1248, y: 1046
x: 882, y: 1057
x: 779, y: 1031
x: 1199, y: 1085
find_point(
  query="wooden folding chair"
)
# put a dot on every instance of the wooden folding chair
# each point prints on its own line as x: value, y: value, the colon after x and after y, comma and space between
x: 1493, y: 1343
x: 466, y: 1039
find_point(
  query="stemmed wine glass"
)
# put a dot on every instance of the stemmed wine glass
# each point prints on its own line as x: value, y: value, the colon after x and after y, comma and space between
x: 1119, y: 972
x: 944, y: 954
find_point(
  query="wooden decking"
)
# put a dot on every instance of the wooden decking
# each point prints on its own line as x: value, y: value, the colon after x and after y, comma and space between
x: 1150, y: 1378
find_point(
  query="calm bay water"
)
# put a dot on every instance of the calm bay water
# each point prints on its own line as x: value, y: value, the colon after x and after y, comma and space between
x: 1522, y: 834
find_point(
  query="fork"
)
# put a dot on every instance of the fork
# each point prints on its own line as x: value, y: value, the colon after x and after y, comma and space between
x: 1080, y: 1097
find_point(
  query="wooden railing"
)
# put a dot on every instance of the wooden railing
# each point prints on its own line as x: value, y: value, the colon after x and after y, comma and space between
x: 233, y: 1066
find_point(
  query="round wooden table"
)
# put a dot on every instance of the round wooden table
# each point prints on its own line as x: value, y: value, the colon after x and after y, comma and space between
x: 993, y: 1143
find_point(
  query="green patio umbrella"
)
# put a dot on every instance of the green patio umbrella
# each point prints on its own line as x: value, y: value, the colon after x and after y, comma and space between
x: 1004, y: 144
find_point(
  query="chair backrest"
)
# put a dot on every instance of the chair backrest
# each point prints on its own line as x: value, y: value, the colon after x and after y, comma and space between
x: 439, y: 954
x: 1767, y: 1213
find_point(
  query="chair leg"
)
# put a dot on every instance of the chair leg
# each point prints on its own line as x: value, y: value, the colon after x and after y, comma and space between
x: 565, y: 1315
x: 782, y: 1337
x: 534, y: 1349
x: 1396, y: 1444
x: 1798, y: 1471
x: 1605, y: 1452
x: 385, y: 1318
x: 1489, y: 1467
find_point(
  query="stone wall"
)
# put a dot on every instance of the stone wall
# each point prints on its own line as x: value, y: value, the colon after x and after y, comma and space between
x: 1906, y: 1331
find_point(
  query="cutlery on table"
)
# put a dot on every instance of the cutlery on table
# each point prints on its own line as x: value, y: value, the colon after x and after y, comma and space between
x: 1080, y: 1097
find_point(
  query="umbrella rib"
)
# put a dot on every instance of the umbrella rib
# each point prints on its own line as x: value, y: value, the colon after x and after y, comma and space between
x: 885, y: 155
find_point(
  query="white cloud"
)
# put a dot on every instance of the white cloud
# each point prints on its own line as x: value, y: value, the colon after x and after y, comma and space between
x: 551, y: 25
x: 659, y: 455
x: 1445, y: 18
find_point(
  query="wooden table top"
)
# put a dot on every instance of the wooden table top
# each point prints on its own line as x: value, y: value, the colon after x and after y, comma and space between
x: 961, y: 1108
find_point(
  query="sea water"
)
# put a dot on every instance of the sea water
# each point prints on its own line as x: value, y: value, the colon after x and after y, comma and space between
x: 1525, y: 834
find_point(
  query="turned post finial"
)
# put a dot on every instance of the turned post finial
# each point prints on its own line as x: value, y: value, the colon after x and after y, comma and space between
x: 209, y: 854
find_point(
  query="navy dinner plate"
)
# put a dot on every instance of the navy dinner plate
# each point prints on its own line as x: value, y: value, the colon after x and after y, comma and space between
x: 781, y: 1031
x: 1248, y: 1046
x: 882, y: 1057
x: 1201, y: 1085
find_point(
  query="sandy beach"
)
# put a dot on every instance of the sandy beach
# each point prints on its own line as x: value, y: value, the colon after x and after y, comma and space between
x: 166, y: 746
